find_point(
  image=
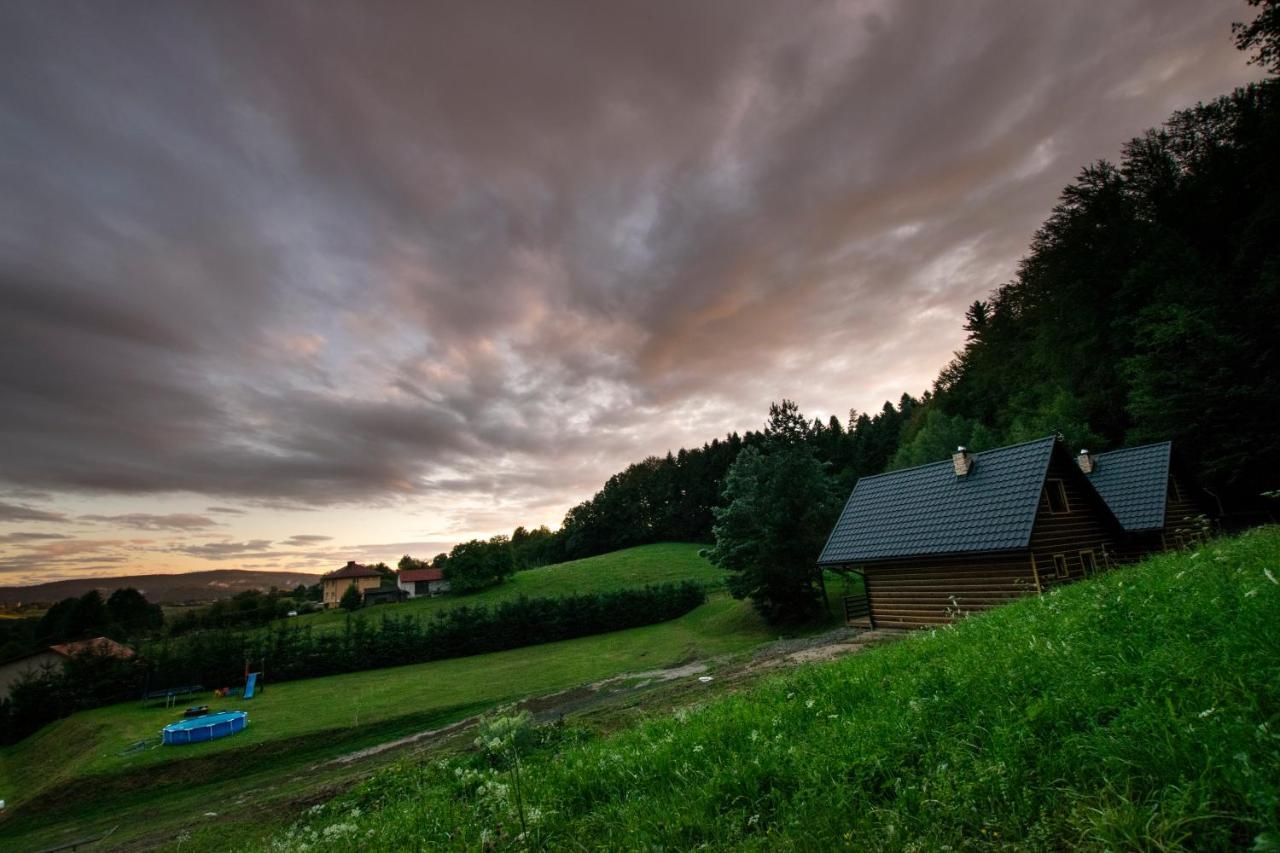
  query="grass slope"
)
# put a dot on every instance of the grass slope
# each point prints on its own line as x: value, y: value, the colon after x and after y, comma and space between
x: 71, y: 778
x: 1137, y: 710
x: 628, y: 568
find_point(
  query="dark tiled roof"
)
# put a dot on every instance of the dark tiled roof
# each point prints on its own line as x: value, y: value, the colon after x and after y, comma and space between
x: 352, y: 570
x: 1134, y: 482
x: 413, y: 575
x: 929, y: 510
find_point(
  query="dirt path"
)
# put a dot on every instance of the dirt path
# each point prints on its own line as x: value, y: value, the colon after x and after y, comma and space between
x: 628, y: 686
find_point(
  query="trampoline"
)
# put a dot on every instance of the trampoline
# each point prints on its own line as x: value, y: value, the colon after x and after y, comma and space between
x: 209, y: 727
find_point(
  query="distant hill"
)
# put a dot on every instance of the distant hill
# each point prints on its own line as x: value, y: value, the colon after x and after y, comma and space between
x: 192, y: 586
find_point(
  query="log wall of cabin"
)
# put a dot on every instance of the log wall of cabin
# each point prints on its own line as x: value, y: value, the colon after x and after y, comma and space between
x: 1082, y: 528
x: 924, y: 591
x: 1180, y: 509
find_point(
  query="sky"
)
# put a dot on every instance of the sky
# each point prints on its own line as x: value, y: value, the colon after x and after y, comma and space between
x: 285, y: 284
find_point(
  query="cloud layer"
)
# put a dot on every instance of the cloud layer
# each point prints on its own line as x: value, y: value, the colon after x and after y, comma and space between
x: 474, y: 259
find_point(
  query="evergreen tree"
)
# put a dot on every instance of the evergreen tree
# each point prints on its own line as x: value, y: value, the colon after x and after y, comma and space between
x: 351, y: 600
x: 779, y: 507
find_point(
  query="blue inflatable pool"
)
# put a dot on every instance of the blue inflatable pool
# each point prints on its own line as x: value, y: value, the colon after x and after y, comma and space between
x: 208, y: 727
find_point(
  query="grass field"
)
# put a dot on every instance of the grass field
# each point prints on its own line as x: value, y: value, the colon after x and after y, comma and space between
x: 70, y: 779
x: 631, y: 567
x: 1138, y: 710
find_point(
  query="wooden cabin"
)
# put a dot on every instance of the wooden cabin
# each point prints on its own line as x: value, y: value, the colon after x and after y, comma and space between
x: 1151, y: 493
x: 938, y: 541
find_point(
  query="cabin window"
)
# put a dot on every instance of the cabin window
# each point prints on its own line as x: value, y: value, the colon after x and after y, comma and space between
x: 1087, y: 563
x: 1059, y: 565
x: 1055, y: 497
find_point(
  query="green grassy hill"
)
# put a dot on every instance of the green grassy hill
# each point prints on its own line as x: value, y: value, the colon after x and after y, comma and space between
x: 631, y: 567
x: 1139, y: 710
x: 74, y: 778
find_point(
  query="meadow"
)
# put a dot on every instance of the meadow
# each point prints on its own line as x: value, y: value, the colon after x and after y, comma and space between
x: 1137, y: 710
x: 632, y: 567
x: 78, y: 776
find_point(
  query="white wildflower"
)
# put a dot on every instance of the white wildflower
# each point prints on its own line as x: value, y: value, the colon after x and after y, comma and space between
x: 697, y: 747
x: 340, y: 830
x: 1208, y: 712
x: 808, y: 703
x: 1271, y: 577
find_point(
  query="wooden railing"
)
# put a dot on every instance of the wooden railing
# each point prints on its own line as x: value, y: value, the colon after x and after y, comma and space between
x: 858, y: 607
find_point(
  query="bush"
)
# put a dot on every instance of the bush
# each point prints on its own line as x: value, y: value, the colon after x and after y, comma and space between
x: 351, y: 600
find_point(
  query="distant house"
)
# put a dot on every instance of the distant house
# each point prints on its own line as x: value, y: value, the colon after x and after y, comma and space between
x: 54, y: 656
x: 336, y: 583
x: 419, y: 582
x: 941, y: 540
x: 1150, y: 492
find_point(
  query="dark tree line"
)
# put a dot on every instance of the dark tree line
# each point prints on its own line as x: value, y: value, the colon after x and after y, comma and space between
x: 673, y: 498
x: 245, y: 609
x: 1148, y: 307
x: 123, y: 615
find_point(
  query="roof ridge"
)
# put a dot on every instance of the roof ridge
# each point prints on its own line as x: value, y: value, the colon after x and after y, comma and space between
x: 1165, y: 443
x: 948, y: 461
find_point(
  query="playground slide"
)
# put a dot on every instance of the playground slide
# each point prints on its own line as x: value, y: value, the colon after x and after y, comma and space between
x: 250, y: 684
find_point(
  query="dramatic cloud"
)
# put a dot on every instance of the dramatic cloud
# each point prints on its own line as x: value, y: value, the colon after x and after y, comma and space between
x: 306, y: 539
x: 466, y: 260
x: 147, y: 521
x: 227, y: 550
x: 52, y: 559
x: 25, y: 536
x: 17, y: 512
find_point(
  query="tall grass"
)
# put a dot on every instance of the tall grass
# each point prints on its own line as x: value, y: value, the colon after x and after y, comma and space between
x: 1137, y: 710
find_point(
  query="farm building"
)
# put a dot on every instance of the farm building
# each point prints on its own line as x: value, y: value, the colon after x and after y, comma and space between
x: 336, y: 583
x: 384, y: 595
x: 1150, y: 493
x: 419, y: 582
x: 940, y: 540
x: 54, y: 656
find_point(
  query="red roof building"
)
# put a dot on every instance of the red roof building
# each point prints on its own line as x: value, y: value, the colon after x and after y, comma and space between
x: 416, y: 582
x: 53, y: 657
x: 415, y: 575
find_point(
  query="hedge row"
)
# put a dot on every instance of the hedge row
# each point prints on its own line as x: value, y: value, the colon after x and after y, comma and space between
x: 218, y: 658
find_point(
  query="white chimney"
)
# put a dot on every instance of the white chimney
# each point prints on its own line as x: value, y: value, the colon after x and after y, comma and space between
x: 962, y: 461
x: 1085, y: 461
